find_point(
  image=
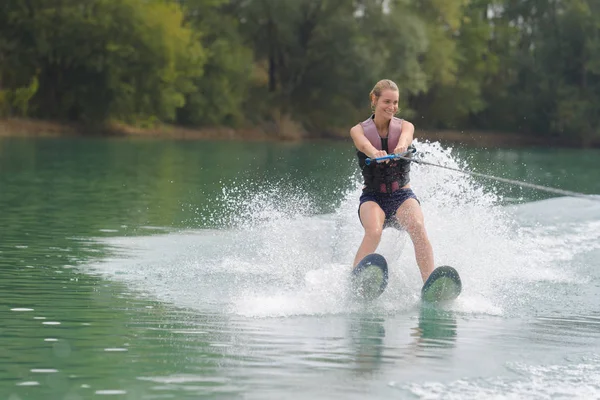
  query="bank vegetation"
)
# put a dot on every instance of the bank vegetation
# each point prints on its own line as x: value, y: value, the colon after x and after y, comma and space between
x: 303, y: 68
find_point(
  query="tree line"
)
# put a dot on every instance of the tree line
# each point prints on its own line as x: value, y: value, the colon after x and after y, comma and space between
x: 526, y: 66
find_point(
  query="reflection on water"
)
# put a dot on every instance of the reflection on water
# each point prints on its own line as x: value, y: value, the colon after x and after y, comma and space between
x: 367, y: 342
x: 436, y: 329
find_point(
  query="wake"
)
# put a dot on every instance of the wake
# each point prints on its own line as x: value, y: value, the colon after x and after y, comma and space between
x: 275, y: 255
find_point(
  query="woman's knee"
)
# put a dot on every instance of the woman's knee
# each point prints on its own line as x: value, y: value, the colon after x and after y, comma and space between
x: 415, y: 225
x: 374, y: 232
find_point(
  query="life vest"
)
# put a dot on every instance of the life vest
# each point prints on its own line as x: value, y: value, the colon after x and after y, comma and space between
x: 383, y: 177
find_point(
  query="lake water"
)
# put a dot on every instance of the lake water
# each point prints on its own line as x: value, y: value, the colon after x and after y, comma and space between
x: 149, y: 269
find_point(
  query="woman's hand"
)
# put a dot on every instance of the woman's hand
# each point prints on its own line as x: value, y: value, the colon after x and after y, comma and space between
x: 380, y: 153
x: 400, y: 149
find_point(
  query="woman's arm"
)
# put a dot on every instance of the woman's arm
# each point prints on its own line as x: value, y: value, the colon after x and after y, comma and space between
x: 363, y: 144
x: 406, y: 137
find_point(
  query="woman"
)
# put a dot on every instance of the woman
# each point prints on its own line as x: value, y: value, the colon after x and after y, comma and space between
x: 387, y: 199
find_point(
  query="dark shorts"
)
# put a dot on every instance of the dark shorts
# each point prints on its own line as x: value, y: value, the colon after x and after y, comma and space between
x: 389, y: 203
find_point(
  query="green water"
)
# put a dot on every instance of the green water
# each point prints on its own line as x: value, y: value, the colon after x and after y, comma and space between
x: 142, y: 330
x: 57, y: 194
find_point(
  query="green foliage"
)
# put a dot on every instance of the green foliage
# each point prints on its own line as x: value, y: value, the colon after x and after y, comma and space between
x: 321, y: 58
x: 101, y: 59
x: 304, y: 47
x: 4, y: 103
x: 155, y: 60
x: 528, y: 66
x: 456, y: 63
x: 548, y: 83
x: 23, y: 95
x: 222, y: 88
x: 395, y: 42
x: 16, y: 102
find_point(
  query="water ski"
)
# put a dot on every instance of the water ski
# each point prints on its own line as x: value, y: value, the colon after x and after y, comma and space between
x: 442, y: 285
x: 370, y: 277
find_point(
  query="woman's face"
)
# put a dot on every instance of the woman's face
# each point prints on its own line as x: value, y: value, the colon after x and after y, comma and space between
x: 387, y: 104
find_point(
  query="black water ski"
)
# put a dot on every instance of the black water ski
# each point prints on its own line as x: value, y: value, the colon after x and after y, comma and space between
x: 442, y: 285
x: 370, y: 277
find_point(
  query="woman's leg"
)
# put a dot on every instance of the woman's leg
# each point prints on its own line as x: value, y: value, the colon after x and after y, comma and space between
x: 372, y: 218
x: 410, y: 217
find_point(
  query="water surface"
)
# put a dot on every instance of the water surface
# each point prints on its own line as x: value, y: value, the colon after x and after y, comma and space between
x: 148, y: 269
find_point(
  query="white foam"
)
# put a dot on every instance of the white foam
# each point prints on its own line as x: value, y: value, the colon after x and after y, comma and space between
x: 273, y: 255
x: 574, y: 381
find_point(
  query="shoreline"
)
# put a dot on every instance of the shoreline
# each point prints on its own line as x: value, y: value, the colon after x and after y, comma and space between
x: 19, y: 127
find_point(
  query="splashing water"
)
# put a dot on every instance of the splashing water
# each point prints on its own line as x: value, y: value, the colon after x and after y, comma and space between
x: 274, y: 255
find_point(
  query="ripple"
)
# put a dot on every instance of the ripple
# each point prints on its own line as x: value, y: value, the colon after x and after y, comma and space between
x: 21, y: 309
x: 575, y: 380
x: 28, y: 383
x: 184, y: 378
x: 110, y: 392
x: 51, y: 323
x: 44, y: 370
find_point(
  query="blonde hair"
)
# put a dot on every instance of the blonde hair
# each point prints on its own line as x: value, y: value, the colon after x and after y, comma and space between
x: 379, y: 88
